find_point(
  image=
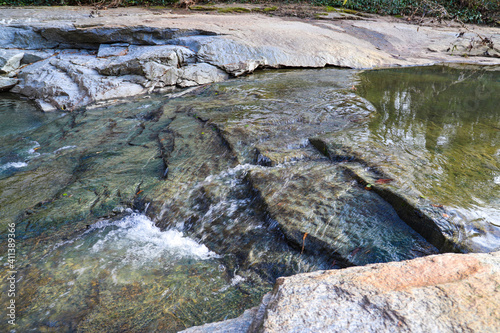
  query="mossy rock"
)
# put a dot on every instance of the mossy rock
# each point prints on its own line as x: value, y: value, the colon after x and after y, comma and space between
x: 234, y: 10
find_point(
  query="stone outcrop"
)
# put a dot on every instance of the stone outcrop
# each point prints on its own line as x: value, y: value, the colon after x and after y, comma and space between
x: 6, y: 83
x: 443, y: 293
x: 11, y: 63
x: 124, y: 57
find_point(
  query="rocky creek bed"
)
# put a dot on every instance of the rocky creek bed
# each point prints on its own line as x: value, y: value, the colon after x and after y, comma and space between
x: 183, y: 207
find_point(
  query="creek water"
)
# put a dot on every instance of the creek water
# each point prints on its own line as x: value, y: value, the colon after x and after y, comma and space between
x: 18, y: 116
x: 159, y: 214
x: 442, y: 127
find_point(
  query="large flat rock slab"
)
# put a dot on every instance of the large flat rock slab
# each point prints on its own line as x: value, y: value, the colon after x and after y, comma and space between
x: 372, y: 42
x: 445, y: 293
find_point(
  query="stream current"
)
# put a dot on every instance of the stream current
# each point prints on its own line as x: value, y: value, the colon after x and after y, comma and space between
x: 159, y: 214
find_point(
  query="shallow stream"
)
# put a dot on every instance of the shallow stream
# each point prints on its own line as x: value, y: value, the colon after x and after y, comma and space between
x: 159, y: 214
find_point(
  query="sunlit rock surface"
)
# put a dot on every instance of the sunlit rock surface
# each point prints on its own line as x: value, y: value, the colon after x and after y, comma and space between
x: 445, y: 293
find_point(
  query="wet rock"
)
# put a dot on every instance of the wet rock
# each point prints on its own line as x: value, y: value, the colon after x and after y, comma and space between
x: 6, y: 83
x: 50, y: 179
x: 444, y: 293
x: 237, y: 325
x: 335, y: 215
x: 191, y: 164
x: 416, y: 211
x: 416, y: 172
x: 243, y: 324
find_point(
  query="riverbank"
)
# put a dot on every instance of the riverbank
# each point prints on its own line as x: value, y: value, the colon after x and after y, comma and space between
x: 62, y: 45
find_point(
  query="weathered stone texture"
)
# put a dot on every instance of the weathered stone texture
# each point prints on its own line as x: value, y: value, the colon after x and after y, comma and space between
x: 443, y: 293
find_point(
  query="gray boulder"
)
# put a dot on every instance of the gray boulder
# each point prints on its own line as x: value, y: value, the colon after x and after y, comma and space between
x: 12, y: 62
x: 441, y: 293
x: 6, y: 83
x: 201, y: 73
x: 60, y: 84
x: 48, y: 86
x: 159, y: 75
x: 234, y: 57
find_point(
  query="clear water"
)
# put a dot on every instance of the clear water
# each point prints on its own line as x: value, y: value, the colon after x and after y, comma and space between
x: 111, y: 240
x: 18, y: 117
x: 128, y: 273
x: 439, y: 129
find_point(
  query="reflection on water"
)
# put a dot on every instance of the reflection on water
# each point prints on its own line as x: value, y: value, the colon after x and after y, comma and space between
x: 442, y: 128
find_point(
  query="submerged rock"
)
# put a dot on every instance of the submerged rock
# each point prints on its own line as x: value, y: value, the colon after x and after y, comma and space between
x: 233, y: 165
x: 336, y: 215
x: 243, y: 324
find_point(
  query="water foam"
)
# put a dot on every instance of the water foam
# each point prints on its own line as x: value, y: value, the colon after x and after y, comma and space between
x: 13, y: 165
x: 138, y: 240
x: 63, y: 148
